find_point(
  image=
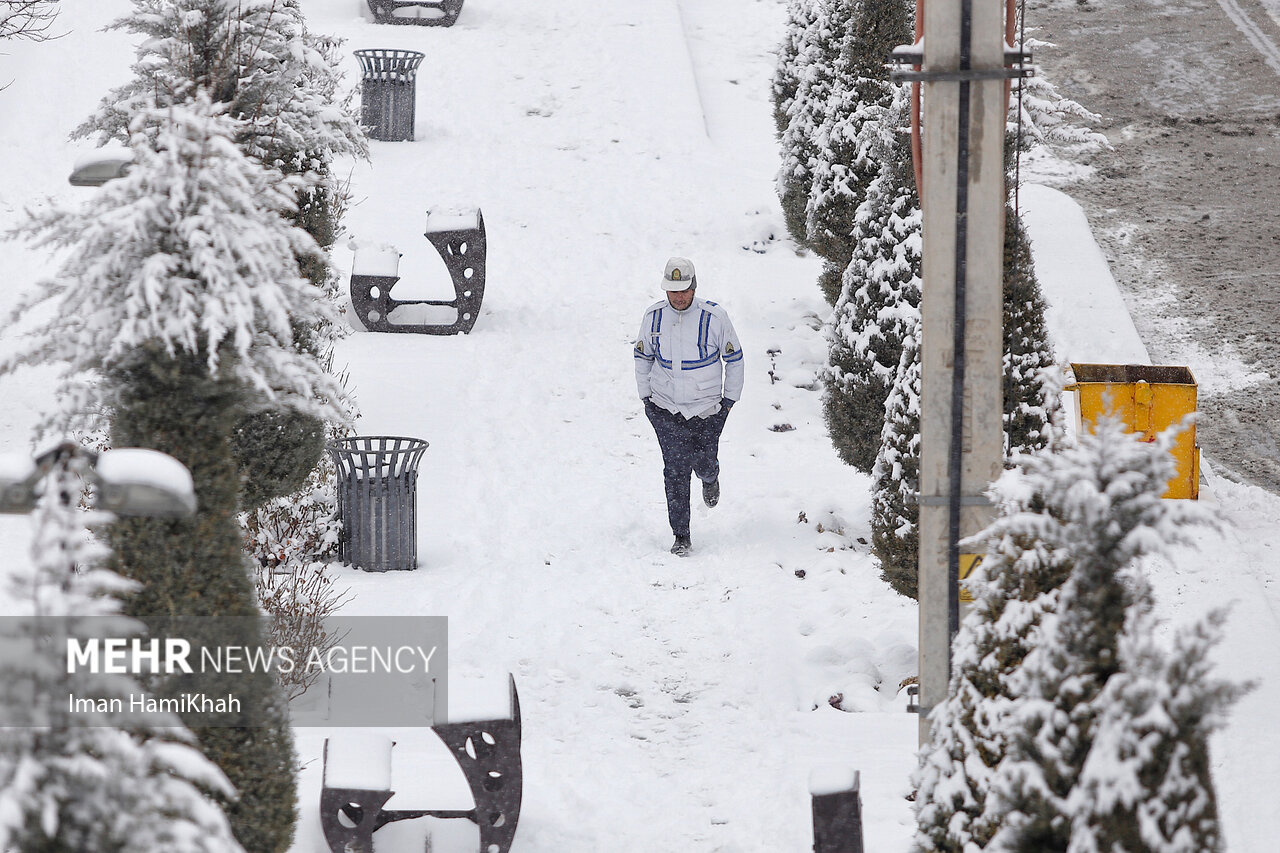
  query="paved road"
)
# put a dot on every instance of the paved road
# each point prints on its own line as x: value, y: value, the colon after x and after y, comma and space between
x: 1189, y: 91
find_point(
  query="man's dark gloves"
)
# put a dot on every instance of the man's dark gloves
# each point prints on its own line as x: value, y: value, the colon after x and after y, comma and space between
x: 726, y: 403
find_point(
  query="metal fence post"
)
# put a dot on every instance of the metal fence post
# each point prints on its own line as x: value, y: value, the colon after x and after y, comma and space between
x: 837, y: 812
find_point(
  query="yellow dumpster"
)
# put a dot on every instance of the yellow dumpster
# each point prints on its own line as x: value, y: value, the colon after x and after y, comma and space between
x: 1148, y: 398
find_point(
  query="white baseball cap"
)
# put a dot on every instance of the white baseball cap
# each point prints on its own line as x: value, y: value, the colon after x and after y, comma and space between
x: 679, y: 275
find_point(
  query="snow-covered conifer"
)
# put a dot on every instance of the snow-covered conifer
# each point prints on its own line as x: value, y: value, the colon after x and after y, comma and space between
x: 1146, y: 783
x: 1032, y: 410
x: 880, y: 292
x: 1015, y: 585
x: 1054, y: 668
x: 1104, y: 499
x: 847, y: 154
x: 1048, y: 118
x: 279, y: 81
x: 282, y: 84
x: 183, y: 257
x: 895, y: 517
x: 817, y: 53
x: 79, y: 780
x: 791, y: 61
x: 174, y: 311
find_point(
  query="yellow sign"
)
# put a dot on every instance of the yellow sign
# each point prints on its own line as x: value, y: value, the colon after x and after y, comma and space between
x: 968, y: 562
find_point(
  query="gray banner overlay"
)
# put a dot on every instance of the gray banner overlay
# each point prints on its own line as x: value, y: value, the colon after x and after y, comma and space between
x: 364, y: 671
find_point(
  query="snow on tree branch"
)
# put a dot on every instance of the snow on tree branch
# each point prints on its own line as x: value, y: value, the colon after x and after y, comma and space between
x: 187, y: 252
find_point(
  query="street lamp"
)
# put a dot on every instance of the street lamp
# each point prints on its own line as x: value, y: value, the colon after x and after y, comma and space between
x: 128, y: 481
x: 97, y: 167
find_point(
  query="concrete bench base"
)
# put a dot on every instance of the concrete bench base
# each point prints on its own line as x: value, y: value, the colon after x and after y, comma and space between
x: 444, y: 13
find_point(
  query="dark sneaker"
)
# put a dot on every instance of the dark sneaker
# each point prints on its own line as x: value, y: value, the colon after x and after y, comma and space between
x: 711, y: 492
x: 682, y: 546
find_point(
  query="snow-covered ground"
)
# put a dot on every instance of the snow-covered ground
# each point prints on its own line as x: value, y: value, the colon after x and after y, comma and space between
x: 668, y: 704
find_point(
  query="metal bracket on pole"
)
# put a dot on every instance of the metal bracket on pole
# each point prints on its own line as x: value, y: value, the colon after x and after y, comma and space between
x: 945, y: 500
x: 1017, y: 65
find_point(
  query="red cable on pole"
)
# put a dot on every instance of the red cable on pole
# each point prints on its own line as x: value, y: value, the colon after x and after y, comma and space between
x: 917, y: 152
x: 917, y: 146
x: 1010, y: 19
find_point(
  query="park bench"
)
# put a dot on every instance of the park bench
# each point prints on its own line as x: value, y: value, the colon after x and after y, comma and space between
x: 459, y: 237
x: 358, y: 781
x: 442, y: 13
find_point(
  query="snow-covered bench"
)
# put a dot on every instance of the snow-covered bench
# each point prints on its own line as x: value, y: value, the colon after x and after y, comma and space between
x: 459, y: 237
x: 440, y: 13
x: 483, y: 739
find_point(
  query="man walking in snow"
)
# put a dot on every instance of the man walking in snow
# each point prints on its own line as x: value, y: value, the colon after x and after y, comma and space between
x: 689, y: 373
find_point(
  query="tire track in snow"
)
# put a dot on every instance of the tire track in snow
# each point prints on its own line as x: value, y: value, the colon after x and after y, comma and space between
x: 1252, y: 32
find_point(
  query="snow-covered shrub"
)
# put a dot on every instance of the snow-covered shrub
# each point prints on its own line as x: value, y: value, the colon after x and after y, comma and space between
x: 895, y: 516
x: 879, y: 297
x: 848, y: 154
x: 293, y: 541
x: 283, y: 85
x: 1067, y: 727
x: 71, y: 782
x: 176, y: 342
x: 1032, y: 409
x: 817, y: 51
x: 791, y: 61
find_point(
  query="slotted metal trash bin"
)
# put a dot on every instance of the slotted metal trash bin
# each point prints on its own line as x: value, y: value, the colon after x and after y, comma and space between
x: 388, y: 91
x: 377, y: 500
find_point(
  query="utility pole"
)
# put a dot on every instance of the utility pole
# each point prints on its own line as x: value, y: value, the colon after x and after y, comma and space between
x: 963, y: 195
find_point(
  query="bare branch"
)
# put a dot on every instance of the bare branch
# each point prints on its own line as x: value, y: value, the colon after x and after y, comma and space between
x: 27, y: 19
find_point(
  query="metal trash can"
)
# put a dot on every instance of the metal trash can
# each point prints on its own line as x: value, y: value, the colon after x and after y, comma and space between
x: 377, y: 500
x: 388, y: 90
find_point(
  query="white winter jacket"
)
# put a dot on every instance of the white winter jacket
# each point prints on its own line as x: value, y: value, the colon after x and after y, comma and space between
x: 678, y: 358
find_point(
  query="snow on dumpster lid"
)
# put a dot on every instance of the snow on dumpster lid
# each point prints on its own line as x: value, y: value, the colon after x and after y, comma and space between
x: 452, y: 219
x: 377, y: 260
x: 825, y: 779
x: 358, y: 760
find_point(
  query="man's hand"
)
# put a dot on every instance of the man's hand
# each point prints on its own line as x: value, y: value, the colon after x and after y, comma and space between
x: 726, y: 403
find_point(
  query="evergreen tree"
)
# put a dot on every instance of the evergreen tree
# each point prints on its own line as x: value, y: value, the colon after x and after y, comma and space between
x: 89, y: 781
x: 281, y: 82
x: 1057, y: 684
x: 879, y: 298
x: 1146, y: 784
x: 791, y: 61
x: 847, y: 144
x: 818, y: 50
x: 1032, y: 410
x: 174, y: 309
x: 895, y: 517
x: 1104, y: 497
x: 1014, y: 586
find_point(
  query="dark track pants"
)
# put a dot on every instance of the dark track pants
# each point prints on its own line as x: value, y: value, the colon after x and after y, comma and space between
x: 688, y: 446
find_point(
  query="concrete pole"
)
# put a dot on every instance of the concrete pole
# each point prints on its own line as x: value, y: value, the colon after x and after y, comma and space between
x: 963, y: 200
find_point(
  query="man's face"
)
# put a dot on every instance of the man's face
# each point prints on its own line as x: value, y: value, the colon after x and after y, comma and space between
x: 680, y: 299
